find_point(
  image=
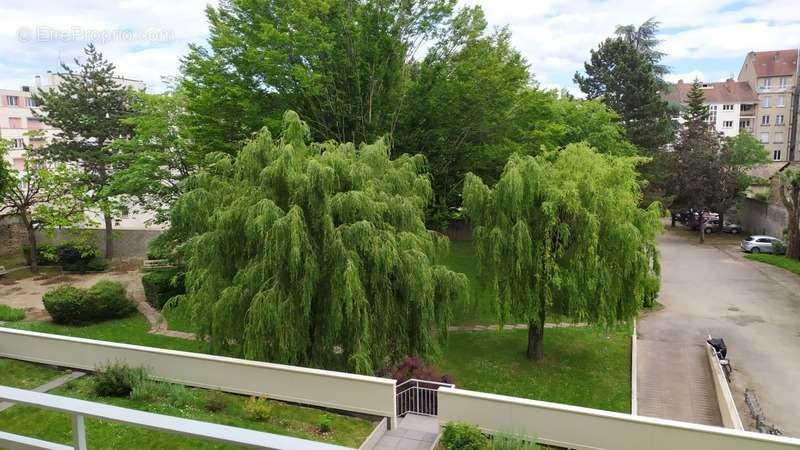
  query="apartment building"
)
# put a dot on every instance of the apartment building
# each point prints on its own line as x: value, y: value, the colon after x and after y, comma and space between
x: 731, y: 104
x: 17, y: 120
x: 773, y: 75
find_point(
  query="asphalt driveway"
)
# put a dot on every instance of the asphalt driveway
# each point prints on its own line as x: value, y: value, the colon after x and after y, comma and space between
x: 755, y: 307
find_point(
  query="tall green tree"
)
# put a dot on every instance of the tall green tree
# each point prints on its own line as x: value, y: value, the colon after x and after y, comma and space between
x: 563, y: 233
x: 461, y: 104
x: 6, y: 181
x: 340, y: 63
x: 315, y: 254
x: 789, y: 193
x: 44, y: 196
x: 698, y: 178
x: 88, y: 107
x: 152, y: 163
x: 624, y: 74
x: 644, y: 40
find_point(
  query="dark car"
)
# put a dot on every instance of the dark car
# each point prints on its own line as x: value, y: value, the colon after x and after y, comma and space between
x: 713, y: 226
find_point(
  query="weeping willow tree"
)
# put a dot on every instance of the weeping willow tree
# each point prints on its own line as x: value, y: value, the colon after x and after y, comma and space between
x: 314, y: 254
x: 563, y: 233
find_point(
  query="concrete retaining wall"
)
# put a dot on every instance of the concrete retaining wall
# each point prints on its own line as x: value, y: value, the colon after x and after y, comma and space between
x: 12, y: 237
x: 335, y: 390
x: 727, y: 407
x: 578, y: 428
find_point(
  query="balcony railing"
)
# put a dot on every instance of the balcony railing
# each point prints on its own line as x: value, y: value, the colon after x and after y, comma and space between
x: 79, y: 409
x: 419, y: 397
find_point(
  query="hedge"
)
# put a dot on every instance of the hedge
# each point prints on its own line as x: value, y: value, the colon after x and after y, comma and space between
x: 162, y: 285
x: 75, y: 306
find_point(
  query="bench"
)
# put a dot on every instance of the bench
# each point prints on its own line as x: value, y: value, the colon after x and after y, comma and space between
x: 150, y: 264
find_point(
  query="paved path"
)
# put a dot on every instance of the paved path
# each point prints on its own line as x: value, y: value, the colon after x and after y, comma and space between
x: 412, y: 433
x: 516, y: 326
x: 712, y: 289
x: 49, y: 386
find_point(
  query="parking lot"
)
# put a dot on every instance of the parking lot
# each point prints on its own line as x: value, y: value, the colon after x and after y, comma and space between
x: 712, y: 289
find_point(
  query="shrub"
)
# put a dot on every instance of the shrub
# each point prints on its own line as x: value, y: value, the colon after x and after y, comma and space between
x: 257, y: 408
x: 325, y: 423
x: 118, y: 380
x: 45, y: 254
x: 215, y: 401
x: 149, y: 391
x: 109, y: 301
x: 9, y: 314
x: 414, y: 367
x: 463, y: 436
x: 162, y: 285
x: 778, y: 247
x: 79, y: 256
x: 74, y: 306
x: 511, y: 442
x: 67, y: 305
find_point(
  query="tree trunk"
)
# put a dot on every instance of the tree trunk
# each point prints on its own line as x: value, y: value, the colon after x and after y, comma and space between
x: 702, y: 230
x: 793, y: 246
x: 536, y: 337
x: 34, y: 252
x: 109, y: 235
x: 673, y: 220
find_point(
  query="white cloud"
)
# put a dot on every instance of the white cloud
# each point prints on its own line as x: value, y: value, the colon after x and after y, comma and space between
x: 555, y: 36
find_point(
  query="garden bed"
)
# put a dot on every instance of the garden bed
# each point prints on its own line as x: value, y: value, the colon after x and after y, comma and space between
x: 776, y: 260
x: 192, y: 403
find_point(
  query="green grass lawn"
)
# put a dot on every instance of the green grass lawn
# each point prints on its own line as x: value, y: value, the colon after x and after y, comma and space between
x: 131, y: 330
x: 178, y: 319
x: 480, y: 308
x: 9, y: 314
x: 781, y: 261
x: 24, y: 375
x: 582, y: 366
x: 26, y: 273
x: 284, y: 419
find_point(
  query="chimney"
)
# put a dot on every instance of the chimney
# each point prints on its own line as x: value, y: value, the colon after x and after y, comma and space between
x: 680, y: 82
x: 729, y: 84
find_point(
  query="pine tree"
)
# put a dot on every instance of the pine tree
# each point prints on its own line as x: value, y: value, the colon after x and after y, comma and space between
x: 696, y: 112
x: 315, y: 254
x: 563, y: 233
x: 88, y: 108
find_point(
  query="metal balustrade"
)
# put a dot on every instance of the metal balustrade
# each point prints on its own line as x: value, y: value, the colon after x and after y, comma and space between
x: 419, y: 397
x: 81, y: 409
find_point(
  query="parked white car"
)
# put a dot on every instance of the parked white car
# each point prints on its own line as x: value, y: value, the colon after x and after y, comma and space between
x: 759, y: 244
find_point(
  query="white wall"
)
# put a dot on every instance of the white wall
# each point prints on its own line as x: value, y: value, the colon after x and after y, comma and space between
x: 336, y: 390
x: 583, y: 428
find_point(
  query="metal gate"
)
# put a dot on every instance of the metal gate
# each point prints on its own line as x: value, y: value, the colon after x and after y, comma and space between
x: 418, y: 397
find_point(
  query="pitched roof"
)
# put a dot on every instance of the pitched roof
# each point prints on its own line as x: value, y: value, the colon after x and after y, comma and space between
x: 723, y: 92
x: 775, y: 63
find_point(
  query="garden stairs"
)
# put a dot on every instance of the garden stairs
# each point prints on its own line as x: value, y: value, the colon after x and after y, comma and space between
x: 414, y: 432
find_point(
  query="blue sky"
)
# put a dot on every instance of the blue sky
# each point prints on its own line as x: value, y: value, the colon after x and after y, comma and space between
x: 146, y: 38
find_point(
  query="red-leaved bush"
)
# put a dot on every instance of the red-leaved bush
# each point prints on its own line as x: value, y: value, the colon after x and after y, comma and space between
x: 414, y: 367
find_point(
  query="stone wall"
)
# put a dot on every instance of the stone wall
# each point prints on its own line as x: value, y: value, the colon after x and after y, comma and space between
x: 12, y: 237
x: 759, y: 217
x: 127, y: 243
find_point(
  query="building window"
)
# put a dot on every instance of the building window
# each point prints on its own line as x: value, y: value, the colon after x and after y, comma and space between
x: 30, y: 102
x: 34, y: 124
x: 712, y: 114
x: 778, y: 138
x: 779, y: 119
x: 765, y: 137
x: 17, y: 143
x: 780, y: 101
x: 744, y: 123
x: 784, y: 82
x: 727, y: 124
x: 765, y: 82
x: 776, y: 155
x: 727, y: 107
x: 15, y: 122
x: 12, y: 100
x: 764, y: 120
x: 765, y: 101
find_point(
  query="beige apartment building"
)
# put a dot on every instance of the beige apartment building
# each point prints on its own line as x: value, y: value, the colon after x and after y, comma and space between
x: 773, y: 75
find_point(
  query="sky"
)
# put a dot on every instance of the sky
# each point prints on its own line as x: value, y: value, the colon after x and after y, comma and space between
x: 147, y: 38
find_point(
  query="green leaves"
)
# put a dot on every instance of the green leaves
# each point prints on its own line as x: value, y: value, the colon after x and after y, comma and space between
x: 562, y: 232
x: 315, y: 254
